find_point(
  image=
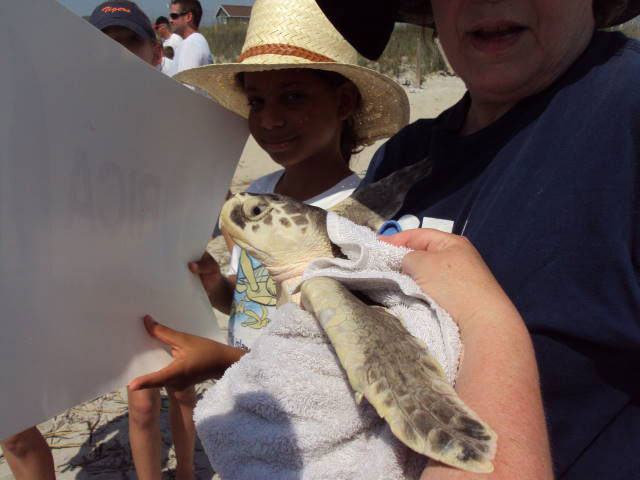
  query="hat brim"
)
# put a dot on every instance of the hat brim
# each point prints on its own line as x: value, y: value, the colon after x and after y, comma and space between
x: 632, y: 10
x: 383, y: 110
x: 368, y: 24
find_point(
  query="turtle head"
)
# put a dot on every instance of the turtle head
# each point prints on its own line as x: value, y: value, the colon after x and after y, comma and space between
x: 282, y: 233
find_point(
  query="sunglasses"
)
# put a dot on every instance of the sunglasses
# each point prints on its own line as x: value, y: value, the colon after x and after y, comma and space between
x: 175, y: 16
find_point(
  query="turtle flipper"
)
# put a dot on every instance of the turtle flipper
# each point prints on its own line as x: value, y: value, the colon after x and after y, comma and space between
x: 373, y: 204
x: 397, y: 375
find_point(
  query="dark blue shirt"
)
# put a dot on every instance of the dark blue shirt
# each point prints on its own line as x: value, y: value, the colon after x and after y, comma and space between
x: 549, y: 195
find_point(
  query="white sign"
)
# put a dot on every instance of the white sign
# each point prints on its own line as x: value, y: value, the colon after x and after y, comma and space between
x: 111, y: 179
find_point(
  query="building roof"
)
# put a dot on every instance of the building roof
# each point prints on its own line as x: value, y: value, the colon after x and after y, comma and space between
x: 235, y: 10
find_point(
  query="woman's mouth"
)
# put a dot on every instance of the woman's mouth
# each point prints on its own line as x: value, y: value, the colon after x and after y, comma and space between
x: 496, y: 38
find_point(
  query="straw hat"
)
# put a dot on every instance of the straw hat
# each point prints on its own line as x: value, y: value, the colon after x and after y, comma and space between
x: 295, y: 34
x: 367, y: 24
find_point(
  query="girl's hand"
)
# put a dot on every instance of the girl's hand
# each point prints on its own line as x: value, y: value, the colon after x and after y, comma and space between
x: 219, y: 288
x: 194, y: 359
x: 208, y: 269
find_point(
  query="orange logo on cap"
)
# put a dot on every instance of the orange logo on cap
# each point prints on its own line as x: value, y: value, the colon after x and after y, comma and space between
x: 115, y: 9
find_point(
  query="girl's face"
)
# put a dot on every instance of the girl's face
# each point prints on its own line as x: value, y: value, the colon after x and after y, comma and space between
x: 295, y: 115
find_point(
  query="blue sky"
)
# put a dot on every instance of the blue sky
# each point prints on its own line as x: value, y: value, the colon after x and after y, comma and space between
x: 154, y: 8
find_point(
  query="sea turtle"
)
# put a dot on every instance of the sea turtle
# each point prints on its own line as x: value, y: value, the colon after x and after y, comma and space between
x: 384, y: 363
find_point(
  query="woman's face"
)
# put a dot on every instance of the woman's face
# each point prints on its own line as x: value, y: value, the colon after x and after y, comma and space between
x: 505, y: 50
x: 295, y: 115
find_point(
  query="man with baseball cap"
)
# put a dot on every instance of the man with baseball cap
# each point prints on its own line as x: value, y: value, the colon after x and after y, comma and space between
x: 166, y: 34
x: 170, y: 43
x: 129, y: 26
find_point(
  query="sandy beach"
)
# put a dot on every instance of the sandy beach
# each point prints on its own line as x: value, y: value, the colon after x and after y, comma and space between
x: 90, y: 441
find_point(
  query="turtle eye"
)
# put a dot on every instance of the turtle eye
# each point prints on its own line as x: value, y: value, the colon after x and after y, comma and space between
x: 255, y: 208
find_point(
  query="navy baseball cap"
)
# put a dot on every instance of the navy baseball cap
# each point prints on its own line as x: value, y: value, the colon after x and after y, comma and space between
x: 122, y: 14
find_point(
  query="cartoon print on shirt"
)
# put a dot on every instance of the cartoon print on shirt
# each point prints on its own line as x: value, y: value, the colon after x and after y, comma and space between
x: 254, y: 289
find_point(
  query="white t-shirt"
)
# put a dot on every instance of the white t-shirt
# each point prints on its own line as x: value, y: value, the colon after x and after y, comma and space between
x: 173, y: 41
x: 192, y: 52
x: 165, y: 65
x: 250, y: 309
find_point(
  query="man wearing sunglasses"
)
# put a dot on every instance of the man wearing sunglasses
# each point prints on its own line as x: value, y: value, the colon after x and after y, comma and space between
x: 194, y: 50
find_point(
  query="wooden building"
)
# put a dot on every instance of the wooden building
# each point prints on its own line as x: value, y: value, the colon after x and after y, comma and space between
x: 233, y: 13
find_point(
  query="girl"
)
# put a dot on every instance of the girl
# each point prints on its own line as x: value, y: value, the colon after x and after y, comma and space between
x: 309, y: 107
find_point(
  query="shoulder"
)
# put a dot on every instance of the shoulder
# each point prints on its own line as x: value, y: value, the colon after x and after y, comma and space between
x: 409, y: 145
x: 174, y: 40
x: 594, y: 110
x: 266, y: 183
x: 198, y: 39
x: 609, y: 72
x: 411, y: 134
x: 620, y: 51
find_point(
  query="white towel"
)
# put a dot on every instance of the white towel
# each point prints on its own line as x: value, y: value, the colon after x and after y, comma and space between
x: 286, y: 410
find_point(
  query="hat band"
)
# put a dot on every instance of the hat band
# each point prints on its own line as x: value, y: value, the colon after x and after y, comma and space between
x: 284, y: 49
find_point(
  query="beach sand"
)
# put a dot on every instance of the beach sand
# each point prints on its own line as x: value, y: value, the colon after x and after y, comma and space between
x: 90, y: 441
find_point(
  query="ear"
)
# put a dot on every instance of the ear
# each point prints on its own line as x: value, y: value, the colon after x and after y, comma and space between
x: 189, y: 18
x: 348, y: 96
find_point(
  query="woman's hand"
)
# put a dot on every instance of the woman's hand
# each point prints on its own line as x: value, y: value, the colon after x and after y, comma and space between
x: 194, y: 359
x: 449, y: 269
x: 498, y: 377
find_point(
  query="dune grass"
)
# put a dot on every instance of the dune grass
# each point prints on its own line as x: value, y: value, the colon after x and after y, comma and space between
x: 409, y: 47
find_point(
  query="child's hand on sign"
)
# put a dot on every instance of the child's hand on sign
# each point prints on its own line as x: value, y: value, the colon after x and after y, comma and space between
x: 194, y: 359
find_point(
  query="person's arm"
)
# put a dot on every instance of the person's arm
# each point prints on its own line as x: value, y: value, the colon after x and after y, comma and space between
x: 194, y: 359
x: 498, y: 377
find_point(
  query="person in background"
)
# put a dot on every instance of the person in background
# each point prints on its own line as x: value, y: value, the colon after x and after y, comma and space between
x: 29, y: 456
x: 194, y: 50
x: 127, y: 24
x: 167, y: 60
x: 166, y: 34
x: 170, y: 42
